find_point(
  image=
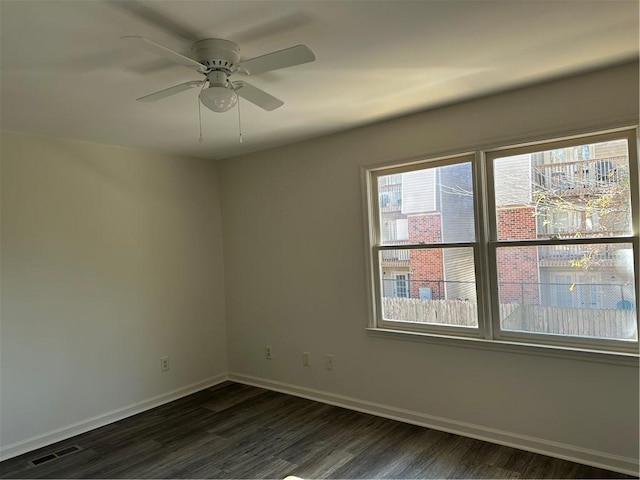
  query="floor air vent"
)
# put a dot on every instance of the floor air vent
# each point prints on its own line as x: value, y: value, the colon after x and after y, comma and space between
x: 53, y: 456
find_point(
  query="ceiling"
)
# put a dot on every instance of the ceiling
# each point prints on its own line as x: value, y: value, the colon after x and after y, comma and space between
x: 65, y: 72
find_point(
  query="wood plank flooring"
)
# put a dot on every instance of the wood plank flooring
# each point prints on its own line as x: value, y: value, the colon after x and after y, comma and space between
x: 237, y: 431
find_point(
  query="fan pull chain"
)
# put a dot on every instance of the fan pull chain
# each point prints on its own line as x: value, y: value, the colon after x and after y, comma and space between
x: 239, y: 123
x: 200, y: 140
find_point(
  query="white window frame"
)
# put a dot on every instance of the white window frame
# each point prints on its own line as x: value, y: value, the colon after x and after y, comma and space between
x: 485, y: 250
x: 376, y: 247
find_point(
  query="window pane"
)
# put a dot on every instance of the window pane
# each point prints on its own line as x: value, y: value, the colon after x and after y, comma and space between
x: 435, y: 286
x: 572, y: 192
x: 568, y: 289
x: 431, y: 205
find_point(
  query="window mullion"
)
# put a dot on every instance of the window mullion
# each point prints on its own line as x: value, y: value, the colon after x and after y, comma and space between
x: 422, y: 246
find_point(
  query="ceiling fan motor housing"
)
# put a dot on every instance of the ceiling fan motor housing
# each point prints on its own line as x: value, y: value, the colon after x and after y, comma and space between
x: 217, y: 54
x: 218, y: 79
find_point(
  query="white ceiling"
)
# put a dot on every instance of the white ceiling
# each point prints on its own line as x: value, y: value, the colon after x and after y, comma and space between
x: 65, y: 72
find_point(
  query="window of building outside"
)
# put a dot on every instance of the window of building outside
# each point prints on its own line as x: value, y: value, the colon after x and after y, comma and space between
x: 533, y: 244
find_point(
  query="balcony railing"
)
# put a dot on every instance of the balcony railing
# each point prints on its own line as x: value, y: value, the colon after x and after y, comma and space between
x: 396, y: 258
x: 582, y: 176
x: 554, y: 255
x: 563, y: 255
x: 390, y: 198
x: 553, y: 252
x: 387, y: 180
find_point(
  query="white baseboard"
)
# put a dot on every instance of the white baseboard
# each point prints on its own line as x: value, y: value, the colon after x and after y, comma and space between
x: 39, y: 441
x: 563, y: 451
x: 585, y: 456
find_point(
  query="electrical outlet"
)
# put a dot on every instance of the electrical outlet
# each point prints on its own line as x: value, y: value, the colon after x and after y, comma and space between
x: 164, y: 364
x: 306, y: 359
x: 328, y: 361
x: 267, y: 352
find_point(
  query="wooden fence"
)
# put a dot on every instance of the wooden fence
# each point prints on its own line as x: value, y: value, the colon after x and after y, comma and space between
x: 583, y: 322
x: 442, y: 312
x: 587, y: 322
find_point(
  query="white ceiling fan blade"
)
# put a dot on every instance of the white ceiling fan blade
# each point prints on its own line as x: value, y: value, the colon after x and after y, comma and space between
x: 256, y: 96
x: 154, y: 17
x: 165, y: 52
x: 281, y: 59
x: 152, y: 97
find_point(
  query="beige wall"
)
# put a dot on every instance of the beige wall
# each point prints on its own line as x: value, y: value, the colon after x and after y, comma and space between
x: 111, y: 259
x: 295, y: 277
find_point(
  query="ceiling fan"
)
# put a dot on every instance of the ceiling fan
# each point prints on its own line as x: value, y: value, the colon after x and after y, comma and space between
x: 217, y: 60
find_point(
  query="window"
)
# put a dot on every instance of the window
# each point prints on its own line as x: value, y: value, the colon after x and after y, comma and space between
x: 535, y: 244
x: 436, y: 248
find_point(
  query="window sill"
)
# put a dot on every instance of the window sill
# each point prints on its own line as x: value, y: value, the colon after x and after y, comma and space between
x: 614, y: 358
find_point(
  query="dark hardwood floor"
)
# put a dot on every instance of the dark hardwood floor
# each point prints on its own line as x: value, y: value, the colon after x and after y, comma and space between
x: 236, y: 431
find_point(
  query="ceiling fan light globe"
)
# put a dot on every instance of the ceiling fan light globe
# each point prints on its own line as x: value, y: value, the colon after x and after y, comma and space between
x: 218, y: 98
